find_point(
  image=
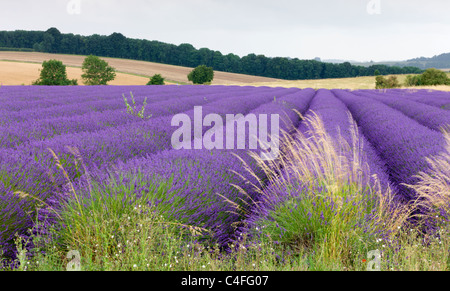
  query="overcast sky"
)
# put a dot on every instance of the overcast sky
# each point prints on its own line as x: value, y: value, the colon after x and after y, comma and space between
x: 360, y: 30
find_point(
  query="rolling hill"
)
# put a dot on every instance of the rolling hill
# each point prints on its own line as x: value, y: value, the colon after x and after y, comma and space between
x: 143, y: 69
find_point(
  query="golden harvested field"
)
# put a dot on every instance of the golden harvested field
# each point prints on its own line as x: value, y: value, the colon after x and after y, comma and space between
x: 343, y: 83
x: 17, y: 68
x: 175, y: 74
x: 17, y: 73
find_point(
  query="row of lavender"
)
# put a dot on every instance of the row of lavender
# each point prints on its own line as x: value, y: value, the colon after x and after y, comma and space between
x: 86, y: 117
x: 438, y: 99
x: 337, y: 122
x: 105, y: 138
x: 397, y: 135
x: 209, y: 199
x: 403, y: 132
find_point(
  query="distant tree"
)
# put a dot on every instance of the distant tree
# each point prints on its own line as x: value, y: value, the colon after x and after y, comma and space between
x: 201, y: 75
x: 387, y: 83
x: 54, y: 37
x: 117, y: 45
x: 376, y: 73
x: 54, y: 73
x: 97, y: 71
x: 433, y: 77
x: 413, y: 80
x: 157, y: 79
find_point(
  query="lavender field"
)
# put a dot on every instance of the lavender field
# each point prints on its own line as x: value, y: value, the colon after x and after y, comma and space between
x: 58, y: 143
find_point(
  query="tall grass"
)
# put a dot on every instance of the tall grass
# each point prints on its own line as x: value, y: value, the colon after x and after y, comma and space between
x: 321, y: 200
x: 318, y: 210
x: 434, y: 187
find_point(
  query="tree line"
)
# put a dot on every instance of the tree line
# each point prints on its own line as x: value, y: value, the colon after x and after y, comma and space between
x: 117, y: 45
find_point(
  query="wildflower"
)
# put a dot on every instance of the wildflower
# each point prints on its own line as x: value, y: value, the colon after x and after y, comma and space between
x: 134, y: 266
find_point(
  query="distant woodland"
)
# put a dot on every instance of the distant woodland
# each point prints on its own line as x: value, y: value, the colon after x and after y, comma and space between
x: 117, y: 45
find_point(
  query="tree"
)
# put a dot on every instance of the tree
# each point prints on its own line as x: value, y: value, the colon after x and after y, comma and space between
x: 376, y: 73
x: 118, y: 45
x: 430, y: 77
x: 433, y: 77
x: 97, y: 71
x: 387, y: 83
x: 54, y: 73
x: 415, y: 80
x: 201, y: 75
x: 157, y: 79
x: 55, y: 37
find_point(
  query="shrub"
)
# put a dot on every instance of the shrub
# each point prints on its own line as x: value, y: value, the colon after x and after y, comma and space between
x: 157, y: 79
x: 387, y: 83
x: 432, y: 77
x: 97, y: 71
x: 415, y: 80
x: 201, y: 75
x: 54, y: 73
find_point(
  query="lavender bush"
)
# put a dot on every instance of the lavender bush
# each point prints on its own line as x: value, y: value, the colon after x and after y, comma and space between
x: 224, y: 191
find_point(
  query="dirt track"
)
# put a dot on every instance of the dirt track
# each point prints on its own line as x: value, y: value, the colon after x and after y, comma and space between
x: 174, y: 73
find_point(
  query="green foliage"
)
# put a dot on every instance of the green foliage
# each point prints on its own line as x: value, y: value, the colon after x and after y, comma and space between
x: 387, y: 83
x: 12, y: 49
x: 118, y: 46
x: 157, y: 79
x: 54, y: 73
x: 413, y: 80
x: 376, y: 73
x: 201, y: 75
x: 132, y: 109
x: 432, y: 77
x: 97, y: 71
